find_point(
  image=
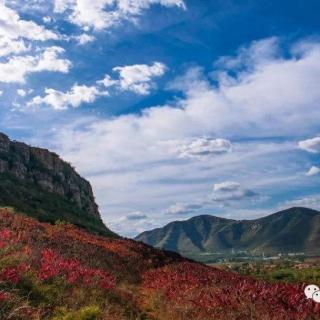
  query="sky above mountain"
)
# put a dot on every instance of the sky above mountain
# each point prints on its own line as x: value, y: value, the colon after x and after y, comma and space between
x: 171, y: 108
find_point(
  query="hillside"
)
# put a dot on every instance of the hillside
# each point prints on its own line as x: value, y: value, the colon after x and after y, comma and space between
x: 292, y: 230
x: 37, y: 182
x: 48, y: 272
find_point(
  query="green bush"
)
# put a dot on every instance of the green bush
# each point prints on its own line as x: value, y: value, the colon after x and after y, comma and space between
x: 283, y: 274
x: 85, y: 313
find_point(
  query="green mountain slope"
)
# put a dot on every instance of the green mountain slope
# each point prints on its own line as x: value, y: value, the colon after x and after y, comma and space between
x: 291, y: 230
x: 38, y: 183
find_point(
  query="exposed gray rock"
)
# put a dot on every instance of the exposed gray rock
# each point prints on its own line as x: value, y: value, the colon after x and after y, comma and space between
x: 48, y: 171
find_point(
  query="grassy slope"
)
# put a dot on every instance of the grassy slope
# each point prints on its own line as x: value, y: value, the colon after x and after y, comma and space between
x: 149, y: 283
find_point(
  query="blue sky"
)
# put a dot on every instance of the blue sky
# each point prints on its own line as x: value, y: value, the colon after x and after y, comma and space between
x: 170, y: 108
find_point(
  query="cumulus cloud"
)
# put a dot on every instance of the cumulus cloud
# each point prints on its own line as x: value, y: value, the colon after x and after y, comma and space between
x: 312, y: 201
x: 310, y: 145
x: 47, y: 19
x: 13, y: 27
x: 131, y: 224
x: 257, y: 53
x: 222, y: 193
x: 17, y: 68
x: 84, y: 38
x: 107, y: 81
x: 313, y: 171
x: 245, y: 106
x: 201, y: 147
x: 136, y: 78
x: 77, y: 95
x: 102, y: 14
x: 9, y: 46
x: 230, y: 191
x: 183, y: 208
x: 239, y: 104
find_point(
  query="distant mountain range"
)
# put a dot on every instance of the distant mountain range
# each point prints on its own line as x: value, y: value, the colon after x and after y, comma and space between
x: 288, y: 231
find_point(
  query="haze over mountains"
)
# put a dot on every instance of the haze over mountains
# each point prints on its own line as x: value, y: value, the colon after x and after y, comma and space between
x: 287, y: 231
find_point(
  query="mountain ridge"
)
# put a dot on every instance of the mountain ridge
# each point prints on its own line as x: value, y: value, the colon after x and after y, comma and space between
x: 295, y: 229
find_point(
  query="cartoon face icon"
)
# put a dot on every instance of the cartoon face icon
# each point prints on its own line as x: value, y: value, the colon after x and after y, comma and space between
x: 316, y: 296
x: 310, y: 290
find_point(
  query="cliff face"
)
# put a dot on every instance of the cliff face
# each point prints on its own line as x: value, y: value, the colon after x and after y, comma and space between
x: 50, y: 176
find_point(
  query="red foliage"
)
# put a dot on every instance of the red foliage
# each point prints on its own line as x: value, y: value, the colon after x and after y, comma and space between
x: 213, y: 290
x: 7, y: 238
x: 205, y: 293
x: 13, y: 274
x: 53, y: 265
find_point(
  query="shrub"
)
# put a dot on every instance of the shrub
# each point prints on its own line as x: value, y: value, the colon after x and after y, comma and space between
x: 85, y: 313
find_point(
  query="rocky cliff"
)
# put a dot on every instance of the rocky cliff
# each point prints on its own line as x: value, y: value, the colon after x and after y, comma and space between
x: 31, y: 177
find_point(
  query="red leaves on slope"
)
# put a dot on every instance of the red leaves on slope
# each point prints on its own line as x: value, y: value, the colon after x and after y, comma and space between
x: 192, y: 291
x: 5, y: 237
x: 53, y: 265
x: 13, y: 274
x: 214, y: 290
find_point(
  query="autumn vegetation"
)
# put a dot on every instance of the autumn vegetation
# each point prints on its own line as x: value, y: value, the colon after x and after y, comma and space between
x: 61, y: 272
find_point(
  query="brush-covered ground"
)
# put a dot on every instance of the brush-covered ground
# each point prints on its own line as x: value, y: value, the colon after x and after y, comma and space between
x: 60, y: 272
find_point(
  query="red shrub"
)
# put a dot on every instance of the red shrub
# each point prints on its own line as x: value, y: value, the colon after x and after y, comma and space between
x: 213, y: 290
x: 13, y: 274
x: 53, y: 265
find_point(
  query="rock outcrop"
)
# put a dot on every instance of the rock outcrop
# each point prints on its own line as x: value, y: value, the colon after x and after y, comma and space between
x: 47, y: 172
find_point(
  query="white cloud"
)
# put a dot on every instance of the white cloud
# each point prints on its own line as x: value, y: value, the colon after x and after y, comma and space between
x: 84, y: 38
x: 227, y: 186
x: 107, y: 81
x: 58, y: 100
x: 127, y: 158
x: 9, y: 46
x: 259, y: 52
x: 47, y: 19
x: 310, y: 145
x: 15, y: 69
x: 183, y: 208
x: 201, y: 147
x: 131, y: 224
x: 23, y: 92
x: 101, y: 14
x: 313, y: 171
x: 138, y: 78
x: 139, y: 83
x: 312, y: 201
x: 230, y: 191
x: 1, y: 93
x: 13, y: 27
